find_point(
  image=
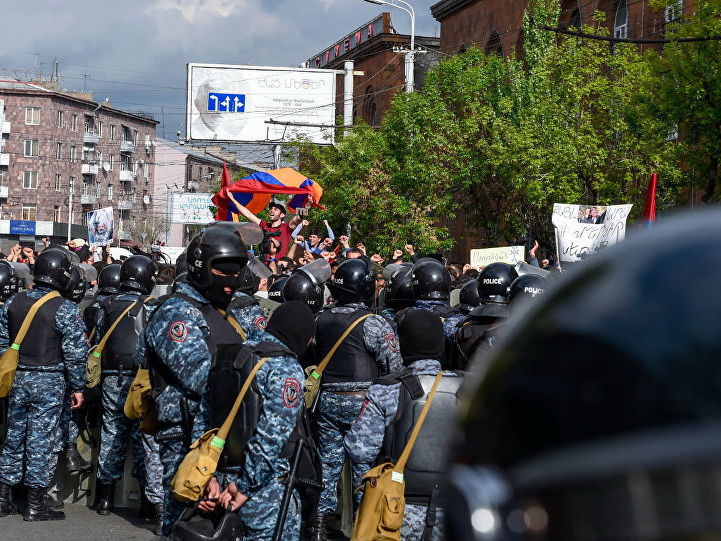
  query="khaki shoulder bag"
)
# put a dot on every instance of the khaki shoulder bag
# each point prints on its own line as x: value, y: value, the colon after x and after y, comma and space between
x: 313, y: 373
x: 9, y: 359
x: 380, y: 515
x: 93, y: 368
x: 199, y: 465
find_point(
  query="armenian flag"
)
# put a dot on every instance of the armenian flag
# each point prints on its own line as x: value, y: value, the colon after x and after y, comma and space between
x: 254, y: 192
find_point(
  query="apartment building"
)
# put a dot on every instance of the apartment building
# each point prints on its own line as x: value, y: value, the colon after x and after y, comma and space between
x: 63, y: 155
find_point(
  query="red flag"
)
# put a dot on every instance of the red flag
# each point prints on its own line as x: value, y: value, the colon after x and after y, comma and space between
x: 649, y: 211
x: 220, y: 200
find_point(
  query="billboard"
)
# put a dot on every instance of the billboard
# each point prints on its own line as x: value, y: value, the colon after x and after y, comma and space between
x: 234, y: 103
x: 191, y: 208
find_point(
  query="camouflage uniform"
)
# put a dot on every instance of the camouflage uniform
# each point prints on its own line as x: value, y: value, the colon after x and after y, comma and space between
x: 37, y: 394
x: 66, y: 431
x: 336, y: 412
x: 178, y: 335
x: 249, y: 314
x: 117, y: 429
x: 364, y: 441
x: 279, y: 382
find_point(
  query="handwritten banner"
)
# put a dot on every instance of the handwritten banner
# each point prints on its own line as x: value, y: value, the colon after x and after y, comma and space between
x: 582, y: 230
x: 505, y: 254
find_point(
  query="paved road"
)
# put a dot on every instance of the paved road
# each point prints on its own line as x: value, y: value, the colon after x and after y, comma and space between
x: 81, y: 524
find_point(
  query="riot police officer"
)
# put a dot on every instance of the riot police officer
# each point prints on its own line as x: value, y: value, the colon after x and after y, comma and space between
x: 108, y: 284
x: 305, y: 284
x: 398, y: 293
x: 58, y: 347
x: 130, y: 308
x: 368, y: 351
x: 493, y: 284
x: 598, y: 416
x: 431, y: 284
x: 181, y: 338
x: 389, y: 413
x: 9, y: 283
x: 245, y: 306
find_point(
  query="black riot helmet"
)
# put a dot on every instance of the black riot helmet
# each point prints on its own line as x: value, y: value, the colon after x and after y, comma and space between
x: 275, y: 291
x: 494, y: 281
x: 219, y: 247
x: 525, y: 288
x: 354, y: 281
x: 8, y: 281
x: 299, y: 287
x: 399, y: 291
x: 430, y: 280
x: 468, y: 296
x: 138, y: 273
x: 75, y: 290
x: 599, y: 416
x: 52, y: 268
x: 181, y: 264
x: 109, y: 279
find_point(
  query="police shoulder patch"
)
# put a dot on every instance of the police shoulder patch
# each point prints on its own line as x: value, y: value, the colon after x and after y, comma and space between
x: 261, y: 322
x: 291, y: 393
x: 178, y: 331
x: 392, y: 341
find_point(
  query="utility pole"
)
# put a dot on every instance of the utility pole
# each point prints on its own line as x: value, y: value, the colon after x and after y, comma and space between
x: 70, y: 207
x: 348, y: 66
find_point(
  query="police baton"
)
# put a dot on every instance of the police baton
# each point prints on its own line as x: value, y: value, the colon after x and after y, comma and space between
x: 290, y: 483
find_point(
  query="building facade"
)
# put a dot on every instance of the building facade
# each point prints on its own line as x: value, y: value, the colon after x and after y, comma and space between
x: 371, y: 48
x: 63, y: 155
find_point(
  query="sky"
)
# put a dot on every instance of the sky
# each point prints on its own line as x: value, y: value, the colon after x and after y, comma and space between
x: 135, y: 52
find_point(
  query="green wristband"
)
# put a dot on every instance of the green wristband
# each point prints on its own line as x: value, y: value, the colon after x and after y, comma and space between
x: 16, y: 347
x: 315, y: 374
x: 217, y: 442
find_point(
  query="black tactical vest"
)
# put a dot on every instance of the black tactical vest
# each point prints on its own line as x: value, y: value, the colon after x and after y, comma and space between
x: 222, y: 333
x: 231, y: 366
x: 90, y: 313
x: 43, y: 343
x: 426, y: 466
x: 451, y: 359
x: 119, y: 349
x: 351, y: 361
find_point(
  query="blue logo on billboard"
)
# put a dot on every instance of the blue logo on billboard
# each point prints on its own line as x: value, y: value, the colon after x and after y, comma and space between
x: 226, y: 103
x: 22, y: 227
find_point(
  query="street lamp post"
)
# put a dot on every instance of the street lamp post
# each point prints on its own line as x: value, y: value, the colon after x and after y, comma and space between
x: 410, y: 55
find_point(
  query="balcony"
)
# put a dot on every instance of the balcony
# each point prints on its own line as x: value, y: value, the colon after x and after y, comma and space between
x: 4, y: 192
x: 125, y: 205
x: 126, y: 176
x: 87, y: 199
x: 4, y: 127
x: 91, y: 138
x: 125, y: 235
x: 4, y: 159
x: 90, y: 168
x: 127, y: 146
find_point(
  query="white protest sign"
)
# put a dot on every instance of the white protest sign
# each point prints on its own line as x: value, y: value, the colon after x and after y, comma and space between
x: 506, y: 254
x: 584, y: 229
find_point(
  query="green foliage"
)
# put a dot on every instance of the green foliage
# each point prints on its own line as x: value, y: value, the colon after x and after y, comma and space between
x: 498, y: 141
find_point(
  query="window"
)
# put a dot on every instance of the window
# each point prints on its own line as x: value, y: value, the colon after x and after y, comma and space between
x: 126, y: 136
x: 56, y: 213
x: 99, y: 158
x: 110, y: 192
x: 135, y: 137
x: 124, y: 162
x: 30, y: 180
x: 89, y: 124
x: 60, y: 119
x: 74, y: 123
x: 30, y: 212
x: 100, y: 129
x: 59, y: 151
x: 112, y: 132
x: 89, y: 155
x: 32, y: 116
x: 87, y: 186
x: 674, y: 12
x: 2, y: 178
x: 97, y: 189
x: 73, y: 153
x: 71, y: 183
x: 32, y: 148
x: 58, y: 182
x: 111, y: 162
x: 620, y: 23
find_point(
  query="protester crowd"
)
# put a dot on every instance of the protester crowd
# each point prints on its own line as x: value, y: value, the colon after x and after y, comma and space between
x: 374, y: 340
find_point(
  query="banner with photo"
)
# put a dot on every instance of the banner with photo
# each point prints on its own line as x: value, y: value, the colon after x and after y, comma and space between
x: 582, y: 230
x: 101, y: 226
x: 506, y: 254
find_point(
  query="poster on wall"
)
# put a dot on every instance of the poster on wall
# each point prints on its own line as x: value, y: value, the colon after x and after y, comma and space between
x: 100, y: 226
x: 582, y: 230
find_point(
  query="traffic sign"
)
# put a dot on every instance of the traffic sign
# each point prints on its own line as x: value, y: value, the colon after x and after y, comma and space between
x: 226, y: 103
